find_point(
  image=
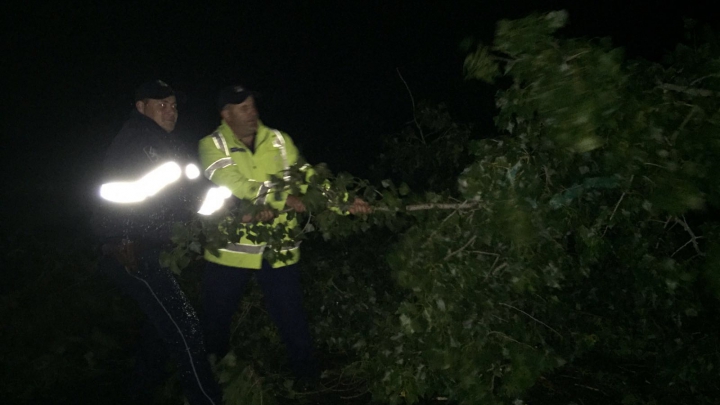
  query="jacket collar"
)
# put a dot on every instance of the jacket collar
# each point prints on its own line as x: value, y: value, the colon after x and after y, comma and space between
x: 143, y: 121
x: 261, y: 136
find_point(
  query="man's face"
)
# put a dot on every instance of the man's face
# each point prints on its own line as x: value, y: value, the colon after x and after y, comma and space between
x: 163, y: 112
x: 242, y: 118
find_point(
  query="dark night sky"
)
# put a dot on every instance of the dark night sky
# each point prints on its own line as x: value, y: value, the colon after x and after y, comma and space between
x: 326, y: 71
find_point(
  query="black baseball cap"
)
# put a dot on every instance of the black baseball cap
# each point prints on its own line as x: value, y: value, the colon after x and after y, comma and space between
x: 156, y: 89
x: 233, y: 95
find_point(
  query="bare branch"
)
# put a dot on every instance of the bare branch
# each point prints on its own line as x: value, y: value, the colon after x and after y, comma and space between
x: 569, y: 58
x: 696, y: 81
x: 412, y: 99
x: 616, y: 207
x: 613, y: 214
x: 691, y: 91
x: 449, y: 255
x: 430, y: 206
x: 438, y: 228
x: 675, y: 134
x: 480, y: 252
x: 434, y: 206
x: 533, y: 318
x: 504, y: 336
x: 693, y: 238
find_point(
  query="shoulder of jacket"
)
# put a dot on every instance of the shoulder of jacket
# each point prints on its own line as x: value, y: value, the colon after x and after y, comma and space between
x: 210, y: 136
x: 276, y: 133
x: 218, y: 140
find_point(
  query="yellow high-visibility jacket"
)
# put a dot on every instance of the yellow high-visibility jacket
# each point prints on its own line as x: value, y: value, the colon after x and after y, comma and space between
x: 228, y: 162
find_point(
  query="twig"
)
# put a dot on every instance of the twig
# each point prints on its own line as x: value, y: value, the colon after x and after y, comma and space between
x: 694, y: 82
x: 673, y: 137
x: 437, y: 228
x: 337, y: 288
x: 480, y: 252
x: 533, y: 318
x: 616, y: 207
x: 461, y: 249
x: 412, y: 99
x: 667, y: 222
x: 569, y: 58
x: 431, y: 206
x: 613, y: 214
x: 494, y: 269
x: 356, y: 395
x: 693, y: 238
x: 494, y: 332
x: 682, y: 247
x: 500, y: 319
x: 591, y: 388
x: 310, y: 215
x: 687, y: 90
x: 548, y: 182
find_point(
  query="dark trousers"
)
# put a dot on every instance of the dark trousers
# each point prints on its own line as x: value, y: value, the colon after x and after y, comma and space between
x: 172, y: 328
x: 223, y: 288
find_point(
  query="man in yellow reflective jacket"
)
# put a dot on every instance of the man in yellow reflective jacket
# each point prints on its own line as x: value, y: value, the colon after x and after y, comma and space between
x: 242, y: 155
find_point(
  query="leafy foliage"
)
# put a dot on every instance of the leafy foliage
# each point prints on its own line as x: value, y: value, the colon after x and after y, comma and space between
x: 579, y: 247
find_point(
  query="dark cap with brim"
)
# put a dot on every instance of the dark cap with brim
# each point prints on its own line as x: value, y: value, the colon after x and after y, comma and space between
x: 156, y: 89
x: 233, y: 95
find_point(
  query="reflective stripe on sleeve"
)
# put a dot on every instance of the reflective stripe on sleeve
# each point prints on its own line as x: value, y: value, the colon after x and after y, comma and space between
x: 279, y: 143
x: 253, y: 249
x: 263, y: 192
x: 220, y: 143
x: 216, y: 165
x: 147, y: 186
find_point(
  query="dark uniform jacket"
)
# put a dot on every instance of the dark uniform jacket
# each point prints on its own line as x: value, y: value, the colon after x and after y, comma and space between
x: 141, y: 146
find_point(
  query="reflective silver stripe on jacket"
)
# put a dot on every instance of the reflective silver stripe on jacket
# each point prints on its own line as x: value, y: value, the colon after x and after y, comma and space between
x: 220, y: 142
x: 253, y: 249
x: 263, y: 192
x: 279, y: 143
x: 216, y: 165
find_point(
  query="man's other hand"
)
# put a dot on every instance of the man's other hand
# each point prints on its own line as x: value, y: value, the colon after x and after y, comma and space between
x: 359, y: 206
x: 262, y: 216
x: 295, y: 203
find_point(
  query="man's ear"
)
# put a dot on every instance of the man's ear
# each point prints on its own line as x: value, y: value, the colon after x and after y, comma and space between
x: 224, y: 113
x: 140, y: 105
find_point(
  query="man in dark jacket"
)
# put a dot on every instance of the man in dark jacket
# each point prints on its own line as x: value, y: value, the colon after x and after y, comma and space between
x: 148, y: 186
